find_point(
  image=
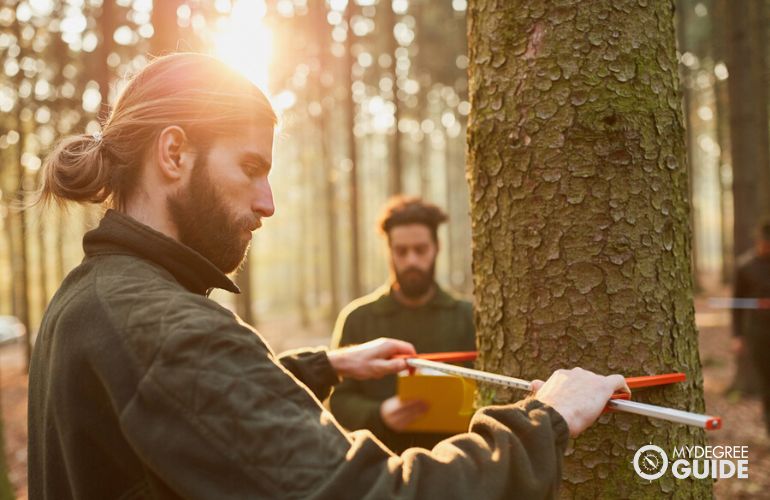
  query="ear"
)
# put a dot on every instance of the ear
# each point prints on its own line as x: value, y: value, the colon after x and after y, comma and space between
x: 171, y: 144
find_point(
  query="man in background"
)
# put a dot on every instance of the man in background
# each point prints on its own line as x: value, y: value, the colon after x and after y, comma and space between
x: 412, y: 307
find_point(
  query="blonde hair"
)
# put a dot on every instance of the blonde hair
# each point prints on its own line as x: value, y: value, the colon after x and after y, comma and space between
x: 198, y: 93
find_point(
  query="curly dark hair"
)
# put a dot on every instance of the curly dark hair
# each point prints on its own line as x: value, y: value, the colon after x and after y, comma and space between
x: 403, y: 210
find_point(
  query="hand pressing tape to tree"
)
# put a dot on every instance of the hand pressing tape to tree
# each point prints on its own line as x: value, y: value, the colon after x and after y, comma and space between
x: 618, y: 402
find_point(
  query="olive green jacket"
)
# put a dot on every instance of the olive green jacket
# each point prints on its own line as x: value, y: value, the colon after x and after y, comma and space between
x: 142, y: 387
x: 443, y: 324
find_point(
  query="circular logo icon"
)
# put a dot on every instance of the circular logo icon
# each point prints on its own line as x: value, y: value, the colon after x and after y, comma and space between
x: 650, y: 462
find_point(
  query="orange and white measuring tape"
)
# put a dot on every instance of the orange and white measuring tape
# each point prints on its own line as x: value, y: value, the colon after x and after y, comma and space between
x: 619, y: 401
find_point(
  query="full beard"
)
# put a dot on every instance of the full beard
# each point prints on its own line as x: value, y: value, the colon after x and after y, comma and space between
x: 415, y: 283
x: 205, y: 224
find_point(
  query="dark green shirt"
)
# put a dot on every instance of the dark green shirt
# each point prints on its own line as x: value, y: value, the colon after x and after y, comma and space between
x: 444, y: 324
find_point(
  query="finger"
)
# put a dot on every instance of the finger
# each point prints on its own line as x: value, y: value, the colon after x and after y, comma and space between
x: 391, y: 347
x: 414, y: 404
x: 536, y: 385
x: 384, y: 367
x: 413, y: 410
x: 618, y: 383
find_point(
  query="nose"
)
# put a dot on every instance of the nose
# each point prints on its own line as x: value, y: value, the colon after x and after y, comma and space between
x: 262, y: 203
x: 412, y: 258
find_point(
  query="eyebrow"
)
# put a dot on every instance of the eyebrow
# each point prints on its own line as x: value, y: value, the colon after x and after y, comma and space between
x: 256, y: 158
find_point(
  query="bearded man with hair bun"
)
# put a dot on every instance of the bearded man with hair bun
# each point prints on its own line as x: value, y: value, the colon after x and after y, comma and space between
x: 140, y: 386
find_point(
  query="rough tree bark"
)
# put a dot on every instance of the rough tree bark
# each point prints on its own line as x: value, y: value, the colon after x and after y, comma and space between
x: 579, y: 209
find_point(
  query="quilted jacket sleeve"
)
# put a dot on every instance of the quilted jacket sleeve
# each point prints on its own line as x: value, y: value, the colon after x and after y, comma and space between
x: 217, y: 416
x: 312, y: 368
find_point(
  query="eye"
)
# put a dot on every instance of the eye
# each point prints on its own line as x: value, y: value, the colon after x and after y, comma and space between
x: 250, y: 169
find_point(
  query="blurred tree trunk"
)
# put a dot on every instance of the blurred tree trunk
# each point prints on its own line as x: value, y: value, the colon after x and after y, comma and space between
x: 683, y: 21
x: 107, y: 26
x: 21, y: 251
x: 6, y: 237
x: 21, y: 260
x: 321, y: 31
x: 42, y: 258
x: 579, y: 208
x: 396, y: 183
x: 60, y: 51
x: 165, y: 38
x: 350, y: 109
x: 6, y: 488
x: 305, y: 237
x: 725, y: 180
x: 426, y: 149
x: 744, y: 52
x: 722, y: 105
x: 747, y: 85
x: 451, y: 193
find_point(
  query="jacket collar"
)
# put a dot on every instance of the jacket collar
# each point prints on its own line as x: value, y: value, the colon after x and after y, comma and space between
x: 119, y: 234
x: 387, y: 303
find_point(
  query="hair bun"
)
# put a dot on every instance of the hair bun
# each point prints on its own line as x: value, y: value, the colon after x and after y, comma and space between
x: 76, y: 170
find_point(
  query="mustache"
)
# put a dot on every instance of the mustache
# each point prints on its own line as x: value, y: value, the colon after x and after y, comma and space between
x: 252, y: 224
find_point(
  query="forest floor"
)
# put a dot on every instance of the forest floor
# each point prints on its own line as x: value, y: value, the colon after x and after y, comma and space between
x: 742, y: 416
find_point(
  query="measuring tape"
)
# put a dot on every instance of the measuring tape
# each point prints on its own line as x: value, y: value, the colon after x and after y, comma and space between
x: 683, y: 417
x: 738, y: 303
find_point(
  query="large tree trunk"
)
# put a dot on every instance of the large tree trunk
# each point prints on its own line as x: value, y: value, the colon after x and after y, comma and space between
x: 580, y: 216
